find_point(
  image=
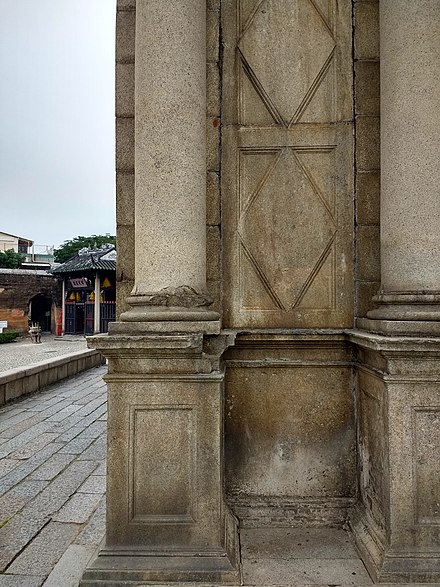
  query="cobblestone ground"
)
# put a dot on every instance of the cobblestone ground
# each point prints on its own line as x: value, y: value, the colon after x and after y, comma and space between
x: 23, y: 352
x: 52, y: 482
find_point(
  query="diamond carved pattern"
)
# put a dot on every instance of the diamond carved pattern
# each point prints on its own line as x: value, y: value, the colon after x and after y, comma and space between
x: 287, y: 162
x: 287, y: 230
x: 275, y: 47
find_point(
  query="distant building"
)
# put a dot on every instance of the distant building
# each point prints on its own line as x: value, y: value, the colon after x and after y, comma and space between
x: 39, y: 257
x: 28, y: 294
x: 89, y: 291
x: 35, y: 256
x: 16, y: 243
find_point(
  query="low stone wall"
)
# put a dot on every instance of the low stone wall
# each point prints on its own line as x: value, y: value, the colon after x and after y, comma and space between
x: 24, y: 380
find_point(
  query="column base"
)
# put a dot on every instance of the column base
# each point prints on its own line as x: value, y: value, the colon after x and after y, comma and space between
x: 168, y: 315
x: 134, y: 567
x: 167, y: 519
x: 171, y: 304
x: 388, y: 565
x: 165, y: 327
x: 399, y: 327
x: 404, y: 313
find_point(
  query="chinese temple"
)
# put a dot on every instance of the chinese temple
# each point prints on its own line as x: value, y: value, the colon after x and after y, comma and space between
x: 89, y: 291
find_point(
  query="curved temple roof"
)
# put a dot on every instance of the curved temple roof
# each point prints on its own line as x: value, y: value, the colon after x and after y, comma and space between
x: 90, y: 260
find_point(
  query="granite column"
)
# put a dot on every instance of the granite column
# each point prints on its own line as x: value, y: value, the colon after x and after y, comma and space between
x: 409, y: 300
x: 170, y: 163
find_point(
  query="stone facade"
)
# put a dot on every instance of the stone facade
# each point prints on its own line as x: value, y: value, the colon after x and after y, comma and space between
x: 319, y: 352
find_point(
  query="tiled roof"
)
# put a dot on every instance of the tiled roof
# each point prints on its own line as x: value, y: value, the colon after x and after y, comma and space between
x: 90, y: 260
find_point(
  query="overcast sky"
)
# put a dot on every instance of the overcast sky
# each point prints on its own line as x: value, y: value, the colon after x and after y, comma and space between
x: 57, y: 118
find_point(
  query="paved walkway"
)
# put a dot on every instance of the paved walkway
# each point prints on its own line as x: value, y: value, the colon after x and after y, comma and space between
x: 52, y: 508
x: 23, y: 352
x: 52, y: 482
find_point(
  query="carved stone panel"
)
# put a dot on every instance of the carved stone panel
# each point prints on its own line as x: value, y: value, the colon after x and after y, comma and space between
x: 426, y: 450
x: 164, y: 486
x: 174, y: 464
x: 287, y: 163
x: 272, y: 449
x: 372, y: 446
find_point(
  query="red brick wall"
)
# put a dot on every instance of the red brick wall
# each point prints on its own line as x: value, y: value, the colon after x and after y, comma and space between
x: 17, y: 287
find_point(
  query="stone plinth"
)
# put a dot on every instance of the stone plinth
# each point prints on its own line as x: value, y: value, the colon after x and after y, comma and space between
x: 396, y: 521
x: 167, y: 519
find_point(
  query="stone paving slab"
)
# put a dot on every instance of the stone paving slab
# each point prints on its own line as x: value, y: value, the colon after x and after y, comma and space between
x: 52, y: 504
x: 296, y: 543
x: 44, y: 551
x: 26, y: 467
x: 52, y: 467
x: 310, y: 571
x: 78, y: 509
x: 94, y: 484
x: 68, y: 570
x: 21, y: 581
x: 93, y: 531
x: 18, y: 496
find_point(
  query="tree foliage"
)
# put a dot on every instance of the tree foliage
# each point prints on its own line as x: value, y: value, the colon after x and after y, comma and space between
x: 10, y: 259
x: 70, y: 248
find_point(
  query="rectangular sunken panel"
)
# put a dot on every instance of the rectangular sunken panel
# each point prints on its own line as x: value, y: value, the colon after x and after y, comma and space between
x: 163, y: 454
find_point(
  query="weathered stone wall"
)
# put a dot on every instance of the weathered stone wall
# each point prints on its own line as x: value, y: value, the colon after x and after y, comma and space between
x: 275, y: 462
x: 290, y: 431
x: 125, y: 36
x: 17, y: 287
x: 288, y: 153
x: 366, y: 166
x: 293, y: 263
x: 367, y: 162
x: 213, y: 215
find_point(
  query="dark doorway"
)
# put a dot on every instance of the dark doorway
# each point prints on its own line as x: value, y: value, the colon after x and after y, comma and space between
x: 89, y: 309
x: 41, y: 311
x: 79, y: 319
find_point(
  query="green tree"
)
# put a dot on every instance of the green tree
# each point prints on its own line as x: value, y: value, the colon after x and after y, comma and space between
x: 71, y: 247
x: 10, y: 259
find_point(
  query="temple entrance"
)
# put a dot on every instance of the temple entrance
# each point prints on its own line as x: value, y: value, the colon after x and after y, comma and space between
x: 79, y: 314
x: 89, y: 302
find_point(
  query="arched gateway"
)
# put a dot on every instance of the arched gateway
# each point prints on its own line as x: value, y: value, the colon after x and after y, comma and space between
x: 248, y: 180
